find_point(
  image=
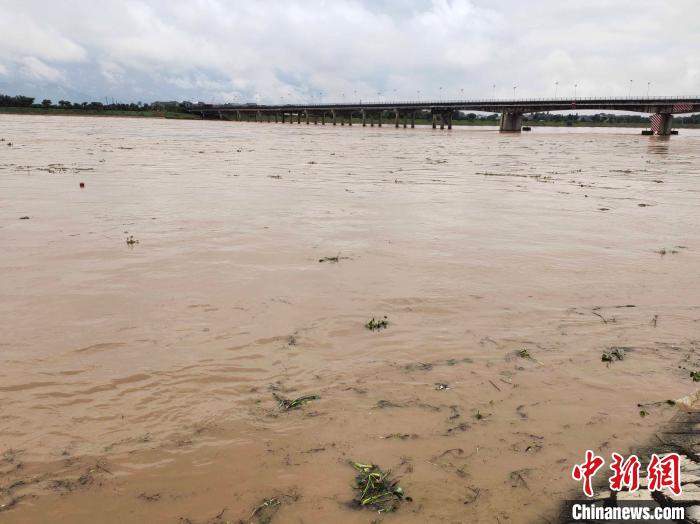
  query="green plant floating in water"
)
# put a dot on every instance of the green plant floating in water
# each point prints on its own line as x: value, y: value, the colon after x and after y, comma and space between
x: 286, y: 404
x: 615, y: 353
x: 695, y: 375
x: 524, y: 353
x: 376, y: 325
x: 376, y: 489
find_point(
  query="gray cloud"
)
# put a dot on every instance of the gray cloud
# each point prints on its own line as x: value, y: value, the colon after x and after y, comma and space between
x: 307, y: 49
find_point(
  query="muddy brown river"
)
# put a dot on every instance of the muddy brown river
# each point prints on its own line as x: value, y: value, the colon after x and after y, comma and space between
x: 138, y: 380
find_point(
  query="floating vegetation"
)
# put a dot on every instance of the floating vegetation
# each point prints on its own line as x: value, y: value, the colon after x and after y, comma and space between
x: 695, y: 375
x: 400, y: 436
x: 663, y: 251
x: 524, y: 353
x: 613, y: 354
x: 286, y: 404
x: 376, y: 489
x: 376, y: 325
x: 265, y: 511
x: 334, y: 259
x: 439, y: 386
x: 24, y: 218
x: 131, y: 241
x: 381, y: 404
x: 422, y: 366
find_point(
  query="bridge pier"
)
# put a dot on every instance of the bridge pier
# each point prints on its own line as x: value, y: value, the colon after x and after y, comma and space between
x: 442, y: 120
x: 323, y: 118
x: 511, y: 122
x: 396, y: 118
x: 333, y: 119
x: 379, y: 119
x: 306, y: 116
x: 350, y: 118
x: 449, y: 120
x: 364, y: 118
x: 434, y: 121
x: 661, y: 123
x: 315, y: 119
x: 413, y: 119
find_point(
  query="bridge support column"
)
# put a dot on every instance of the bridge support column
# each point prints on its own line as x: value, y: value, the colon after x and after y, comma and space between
x: 299, y: 117
x: 342, y: 119
x: 364, y: 118
x: 238, y: 116
x: 413, y: 119
x: 306, y: 116
x: 283, y: 116
x: 323, y: 118
x: 511, y: 122
x: 333, y: 119
x: 449, y: 120
x: 275, y: 118
x: 379, y: 119
x: 442, y: 120
x: 434, y: 121
x: 661, y: 123
x: 350, y: 118
x: 396, y: 118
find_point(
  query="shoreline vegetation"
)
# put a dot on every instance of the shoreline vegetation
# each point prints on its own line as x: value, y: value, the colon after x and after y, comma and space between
x: 179, y: 111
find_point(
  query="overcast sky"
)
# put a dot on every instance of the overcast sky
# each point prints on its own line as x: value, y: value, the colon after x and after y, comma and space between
x: 304, y: 50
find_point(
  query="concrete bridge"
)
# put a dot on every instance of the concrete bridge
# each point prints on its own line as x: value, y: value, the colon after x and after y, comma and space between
x: 661, y: 110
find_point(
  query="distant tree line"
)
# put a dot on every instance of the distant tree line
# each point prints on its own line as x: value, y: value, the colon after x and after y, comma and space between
x: 26, y: 101
x: 15, y: 101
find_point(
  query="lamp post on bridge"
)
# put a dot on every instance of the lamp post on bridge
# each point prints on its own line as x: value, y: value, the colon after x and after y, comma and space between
x: 556, y: 88
x: 630, y: 93
x: 648, y: 88
x: 514, y: 88
x: 575, y: 86
x: 494, y: 91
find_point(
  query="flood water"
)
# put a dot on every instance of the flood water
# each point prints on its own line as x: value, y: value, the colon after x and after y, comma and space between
x: 137, y: 381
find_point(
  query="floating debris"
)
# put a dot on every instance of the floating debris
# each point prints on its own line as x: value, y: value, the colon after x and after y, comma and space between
x: 524, y: 353
x: 376, y: 325
x: 613, y: 354
x: 422, y: 366
x: 440, y: 386
x: 24, y: 218
x: 334, y: 259
x: 265, y: 511
x: 400, y: 436
x: 131, y: 241
x: 695, y: 375
x: 376, y: 489
x: 286, y: 404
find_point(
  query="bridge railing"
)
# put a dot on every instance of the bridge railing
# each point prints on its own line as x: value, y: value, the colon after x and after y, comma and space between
x: 635, y: 100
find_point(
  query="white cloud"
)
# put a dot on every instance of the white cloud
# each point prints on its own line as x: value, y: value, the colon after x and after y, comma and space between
x: 34, y: 69
x: 216, y: 49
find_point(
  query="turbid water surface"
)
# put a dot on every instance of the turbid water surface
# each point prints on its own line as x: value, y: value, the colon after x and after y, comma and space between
x: 137, y: 381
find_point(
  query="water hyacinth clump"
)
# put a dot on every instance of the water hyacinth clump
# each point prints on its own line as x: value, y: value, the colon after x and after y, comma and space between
x: 376, y: 489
